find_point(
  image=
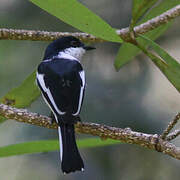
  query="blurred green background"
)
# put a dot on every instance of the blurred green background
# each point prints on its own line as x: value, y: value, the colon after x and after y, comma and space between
x: 138, y: 96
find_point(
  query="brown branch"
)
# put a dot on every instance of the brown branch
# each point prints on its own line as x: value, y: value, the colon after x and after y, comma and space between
x: 152, y: 23
x: 150, y: 141
x: 170, y: 126
x: 173, y: 135
x: 15, y: 34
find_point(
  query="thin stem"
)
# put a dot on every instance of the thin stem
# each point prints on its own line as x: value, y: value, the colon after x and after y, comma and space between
x: 173, y: 135
x: 170, y: 126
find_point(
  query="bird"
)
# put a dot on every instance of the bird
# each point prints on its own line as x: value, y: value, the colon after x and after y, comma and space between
x: 61, y: 80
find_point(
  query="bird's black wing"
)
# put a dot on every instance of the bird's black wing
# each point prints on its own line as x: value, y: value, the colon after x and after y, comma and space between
x: 62, y: 83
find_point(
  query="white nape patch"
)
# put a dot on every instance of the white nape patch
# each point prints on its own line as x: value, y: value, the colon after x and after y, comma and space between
x: 82, y: 169
x: 72, y: 53
x: 60, y: 142
x: 62, y: 54
x: 82, y: 75
x: 40, y: 78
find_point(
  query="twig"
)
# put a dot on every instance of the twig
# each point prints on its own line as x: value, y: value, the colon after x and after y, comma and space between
x: 15, y: 34
x: 150, y: 141
x: 151, y: 24
x: 170, y: 126
x: 173, y: 135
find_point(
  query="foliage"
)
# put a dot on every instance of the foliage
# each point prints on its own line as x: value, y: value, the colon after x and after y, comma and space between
x: 127, y: 51
x: 23, y: 95
x: 168, y: 65
x: 50, y: 145
x: 77, y: 15
x: 140, y: 7
x: 80, y: 17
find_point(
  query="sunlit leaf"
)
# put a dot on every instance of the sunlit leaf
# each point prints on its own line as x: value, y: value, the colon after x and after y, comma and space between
x: 77, y: 15
x: 50, y: 145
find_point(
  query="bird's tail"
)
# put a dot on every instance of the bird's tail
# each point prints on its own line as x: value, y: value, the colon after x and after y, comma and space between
x: 71, y: 160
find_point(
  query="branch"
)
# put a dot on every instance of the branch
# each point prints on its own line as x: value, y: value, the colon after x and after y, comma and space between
x: 15, y: 34
x: 173, y: 135
x: 170, y: 127
x: 150, y: 141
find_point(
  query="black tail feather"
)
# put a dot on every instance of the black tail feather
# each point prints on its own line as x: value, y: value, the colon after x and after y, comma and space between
x: 71, y: 160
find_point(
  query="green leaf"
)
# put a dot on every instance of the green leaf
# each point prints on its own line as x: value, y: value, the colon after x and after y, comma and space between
x: 169, y: 67
x: 128, y: 51
x: 77, y: 15
x: 140, y: 7
x: 50, y: 145
x: 161, y: 8
x: 23, y: 95
x: 2, y: 119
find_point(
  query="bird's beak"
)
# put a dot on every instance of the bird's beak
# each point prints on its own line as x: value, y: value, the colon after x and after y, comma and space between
x: 88, y: 48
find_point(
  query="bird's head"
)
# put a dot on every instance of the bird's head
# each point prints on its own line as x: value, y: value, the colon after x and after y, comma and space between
x: 68, y: 45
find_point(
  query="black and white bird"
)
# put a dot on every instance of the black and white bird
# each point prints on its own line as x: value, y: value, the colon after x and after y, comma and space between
x: 61, y: 79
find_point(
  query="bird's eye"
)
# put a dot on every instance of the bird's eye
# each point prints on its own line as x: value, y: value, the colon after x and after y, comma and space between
x: 74, y: 43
